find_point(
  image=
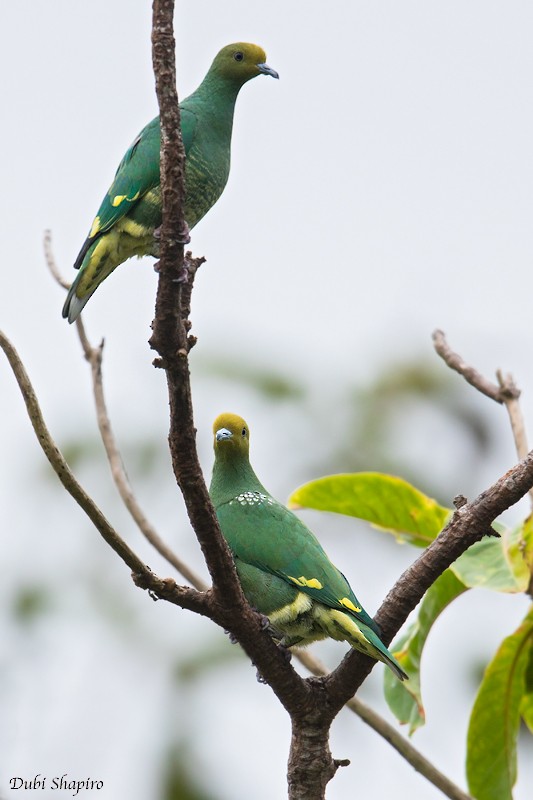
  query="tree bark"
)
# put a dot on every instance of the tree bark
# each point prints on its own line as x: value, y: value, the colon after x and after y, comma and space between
x: 311, y: 765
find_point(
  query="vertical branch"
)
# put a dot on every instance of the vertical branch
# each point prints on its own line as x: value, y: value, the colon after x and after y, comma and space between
x: 170, y: 326
x: 171, y: 340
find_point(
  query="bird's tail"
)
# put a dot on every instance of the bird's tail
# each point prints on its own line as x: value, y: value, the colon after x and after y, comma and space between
x: 95, y: 263
x: 74, y: 305
x: 364, y: 639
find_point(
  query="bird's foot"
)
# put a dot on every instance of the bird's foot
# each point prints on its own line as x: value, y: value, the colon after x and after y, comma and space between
x: 260, y: 678
x: 233, y: 639
x: 285, y: 652
x: 184, y: 234
x: 183, y: 277
x: 183, y: 237
x: 265, y: 623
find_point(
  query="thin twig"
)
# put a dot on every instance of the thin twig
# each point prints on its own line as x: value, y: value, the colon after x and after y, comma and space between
x: 60, y: 466
x: 50, y: 261
x: 94, y: 356
x: 511, y: 394
x: 121, y: 480
x: 469, y: 373
x: 180, y: 595
x: 506, y: 392
x: 404, y: 747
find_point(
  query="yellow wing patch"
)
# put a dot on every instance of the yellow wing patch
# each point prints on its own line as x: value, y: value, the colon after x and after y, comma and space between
x: 95, y: 228
x: 347, y: 603
x: 119, y: 198
x: 313, y: 583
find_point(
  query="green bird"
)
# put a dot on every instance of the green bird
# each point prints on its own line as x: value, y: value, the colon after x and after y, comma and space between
x: 283, y: 570
x: 128, y: 220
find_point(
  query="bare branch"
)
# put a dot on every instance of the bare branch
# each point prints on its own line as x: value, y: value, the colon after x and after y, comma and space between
x: 61, y: 467
x: 120, y: 477
x: 470, y: 374
x: 506, y: 392
x: 404, y: 747
x: 511, y: 394
x: 51, y: 262
x: 181, y: 595
x: 94, y: 356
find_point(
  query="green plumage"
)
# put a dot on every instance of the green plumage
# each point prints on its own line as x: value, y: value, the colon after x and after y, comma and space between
x: 284, y: 571
x: 130, y: 212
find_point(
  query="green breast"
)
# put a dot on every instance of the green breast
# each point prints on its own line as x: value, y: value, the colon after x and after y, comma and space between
x: 206, y: 172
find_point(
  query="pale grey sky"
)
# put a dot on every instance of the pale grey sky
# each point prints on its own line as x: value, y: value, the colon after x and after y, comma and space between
x: 380, y: 189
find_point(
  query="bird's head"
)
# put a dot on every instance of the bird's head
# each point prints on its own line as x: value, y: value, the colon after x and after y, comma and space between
x: 242, y: 61
x: 231, y: 436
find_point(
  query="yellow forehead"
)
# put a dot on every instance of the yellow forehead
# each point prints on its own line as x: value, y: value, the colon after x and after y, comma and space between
x: 252, y: 52
x: 232, y: 422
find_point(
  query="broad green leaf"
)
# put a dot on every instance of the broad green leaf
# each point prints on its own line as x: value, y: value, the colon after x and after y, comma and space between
x: 385, y: 501
x: 526, y: 706
x: 495, y: 718
x: 498, y: 564
x: 404, y: 699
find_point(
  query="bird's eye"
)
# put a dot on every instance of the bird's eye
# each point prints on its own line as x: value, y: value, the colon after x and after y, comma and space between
x: 244, y: 431
x: 238, y: 56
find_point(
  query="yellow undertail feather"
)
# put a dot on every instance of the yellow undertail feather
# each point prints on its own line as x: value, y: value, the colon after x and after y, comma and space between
x: 344, y: 628
x: 300, y: 605
x: 304, y: 621
x: 126, y: 239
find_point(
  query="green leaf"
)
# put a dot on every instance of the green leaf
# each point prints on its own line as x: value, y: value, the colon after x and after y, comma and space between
x: 526, y: 705
x: 495, y: 718
x: 498, y: 564
x: 387, y: 502
x: 405, y: 699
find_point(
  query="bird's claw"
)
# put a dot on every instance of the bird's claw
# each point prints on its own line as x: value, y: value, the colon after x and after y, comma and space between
x: 183, y: 237
x: 285, y: 652
x: 233, y: 639
x: 265, y: 623
x: 183, y: 277
x: 260, y: 678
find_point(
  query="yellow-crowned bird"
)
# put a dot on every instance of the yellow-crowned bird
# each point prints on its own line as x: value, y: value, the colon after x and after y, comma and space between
x: 284, y: 571
x: 129, y: 217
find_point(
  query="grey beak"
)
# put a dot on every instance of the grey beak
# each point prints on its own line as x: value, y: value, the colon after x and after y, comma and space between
x: 223, y: 433
x: 266, y: 70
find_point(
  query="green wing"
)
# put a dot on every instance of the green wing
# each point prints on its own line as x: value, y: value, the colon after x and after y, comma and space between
x: 137, y: 174
x: 269, y: 536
